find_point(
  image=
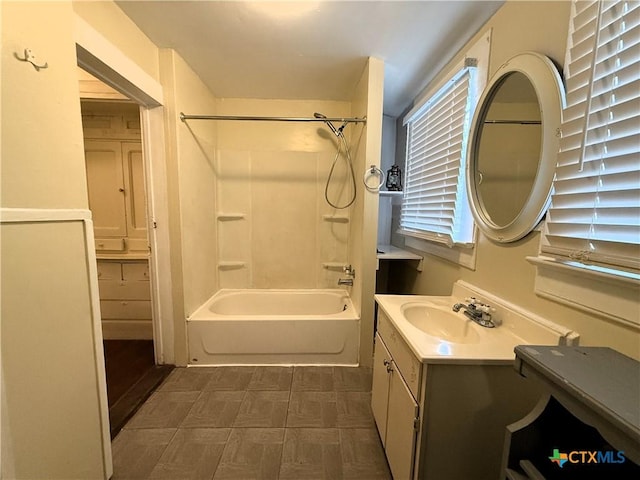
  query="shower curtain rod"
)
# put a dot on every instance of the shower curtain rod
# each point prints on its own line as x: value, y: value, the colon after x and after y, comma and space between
x: 185, y: 117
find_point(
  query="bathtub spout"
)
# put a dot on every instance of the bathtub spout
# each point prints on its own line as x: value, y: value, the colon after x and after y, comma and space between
x: 345, y: 281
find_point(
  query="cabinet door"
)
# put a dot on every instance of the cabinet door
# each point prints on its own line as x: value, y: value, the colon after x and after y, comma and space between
x: 105, y: 182
x: 380, y: 386
x: 401, y: 432
x: 134, y: 190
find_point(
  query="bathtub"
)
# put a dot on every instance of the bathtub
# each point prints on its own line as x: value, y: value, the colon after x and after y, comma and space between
x: 275, y: 327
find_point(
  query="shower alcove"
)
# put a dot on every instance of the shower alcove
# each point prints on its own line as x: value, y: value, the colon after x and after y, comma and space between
x: 274, y: 229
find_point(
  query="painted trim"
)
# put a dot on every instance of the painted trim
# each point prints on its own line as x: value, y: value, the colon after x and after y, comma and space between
x: 100, y: 57
x: 98, y: 346
x: 153, y: 145
x: 103, y: 60
x: 22, y: 215
x: 465, y: 257
x: 608, y: 296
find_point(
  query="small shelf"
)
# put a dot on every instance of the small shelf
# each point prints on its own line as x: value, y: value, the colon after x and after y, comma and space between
x: 387, y: 193
x: 336, y: 218
x: 231, y: 265
x: 333, y: 266
x: 389, y: 252
x: 225, y: 217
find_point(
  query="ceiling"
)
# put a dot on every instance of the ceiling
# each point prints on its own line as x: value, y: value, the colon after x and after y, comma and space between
x: 312, y: 49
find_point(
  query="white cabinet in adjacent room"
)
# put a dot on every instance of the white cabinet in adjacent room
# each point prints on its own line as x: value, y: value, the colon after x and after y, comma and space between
x: 115, y: 182
x: 117, y: 200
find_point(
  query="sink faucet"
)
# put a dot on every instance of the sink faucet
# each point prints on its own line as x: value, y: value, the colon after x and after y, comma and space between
x: 477, y: 311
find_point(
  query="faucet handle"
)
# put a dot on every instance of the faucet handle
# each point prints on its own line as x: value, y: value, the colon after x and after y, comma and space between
x: 349, y: 271
x: 483, y: 307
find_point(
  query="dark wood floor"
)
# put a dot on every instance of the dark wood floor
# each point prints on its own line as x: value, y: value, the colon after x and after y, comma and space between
x: 132, y: 376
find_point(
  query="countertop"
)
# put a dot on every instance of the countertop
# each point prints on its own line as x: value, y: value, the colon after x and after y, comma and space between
x: 495, y: 345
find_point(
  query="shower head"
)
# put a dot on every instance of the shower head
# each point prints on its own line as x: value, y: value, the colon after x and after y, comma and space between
x: 335, y: 131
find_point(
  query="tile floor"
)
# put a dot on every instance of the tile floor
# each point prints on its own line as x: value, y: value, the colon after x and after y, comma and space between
x: 254, y: 423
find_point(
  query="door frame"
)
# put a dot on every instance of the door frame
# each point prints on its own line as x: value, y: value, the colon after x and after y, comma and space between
x: 96, y: 55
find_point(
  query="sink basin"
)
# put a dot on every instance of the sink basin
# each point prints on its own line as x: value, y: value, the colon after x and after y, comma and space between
x: 441, y: 323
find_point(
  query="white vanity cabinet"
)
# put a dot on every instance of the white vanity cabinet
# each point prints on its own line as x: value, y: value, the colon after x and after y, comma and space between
x: 395, y: 409
x: 443, y: 418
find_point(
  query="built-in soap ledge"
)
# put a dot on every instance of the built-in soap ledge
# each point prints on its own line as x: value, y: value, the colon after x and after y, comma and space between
x: 336, y: 218
x: 225, y: 217
x: 336, y: 266
x: 231, y: 265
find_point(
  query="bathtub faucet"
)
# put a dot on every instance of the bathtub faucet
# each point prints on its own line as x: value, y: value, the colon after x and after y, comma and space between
x: 349, y: 271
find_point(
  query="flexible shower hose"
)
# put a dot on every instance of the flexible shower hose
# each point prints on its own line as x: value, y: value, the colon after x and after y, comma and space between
x: 333, y: 166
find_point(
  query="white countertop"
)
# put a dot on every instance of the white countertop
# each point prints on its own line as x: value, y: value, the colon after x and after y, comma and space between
x: 496, y: 345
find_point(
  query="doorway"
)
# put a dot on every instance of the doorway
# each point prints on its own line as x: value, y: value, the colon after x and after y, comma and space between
x: 115, y: 169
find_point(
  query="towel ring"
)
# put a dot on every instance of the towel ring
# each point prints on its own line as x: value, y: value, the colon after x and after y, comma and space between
x: 370, y: 172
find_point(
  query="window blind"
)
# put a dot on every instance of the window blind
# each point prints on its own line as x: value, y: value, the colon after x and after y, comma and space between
x: 434, y: 205
x: 595, y: 209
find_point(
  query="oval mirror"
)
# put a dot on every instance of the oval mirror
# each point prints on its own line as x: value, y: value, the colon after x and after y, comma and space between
x: 513, y: 147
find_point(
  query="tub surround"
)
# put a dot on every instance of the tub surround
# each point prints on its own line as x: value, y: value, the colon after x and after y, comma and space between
x: 275, y: 327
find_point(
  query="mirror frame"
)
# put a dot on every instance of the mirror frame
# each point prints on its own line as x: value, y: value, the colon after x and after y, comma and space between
x: 547, y: 83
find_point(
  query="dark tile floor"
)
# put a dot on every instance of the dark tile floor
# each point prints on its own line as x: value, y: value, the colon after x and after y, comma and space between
x: 254, y: 423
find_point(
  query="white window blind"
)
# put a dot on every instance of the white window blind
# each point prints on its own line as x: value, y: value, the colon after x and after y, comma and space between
x: 594, y: 216
x: 434, y: 205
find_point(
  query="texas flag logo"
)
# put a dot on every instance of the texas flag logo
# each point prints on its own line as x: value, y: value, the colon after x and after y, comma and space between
x: 559, y: 458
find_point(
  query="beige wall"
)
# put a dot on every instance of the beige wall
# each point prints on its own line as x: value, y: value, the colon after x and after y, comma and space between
x: 111, y: 22
x: 502, y: 269
x: 42, y: 166
x: 191, y: 186
x: 50, y: 363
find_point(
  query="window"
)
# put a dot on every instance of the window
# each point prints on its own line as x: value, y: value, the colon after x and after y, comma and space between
x: 434, y: 205
x: 593, y: 223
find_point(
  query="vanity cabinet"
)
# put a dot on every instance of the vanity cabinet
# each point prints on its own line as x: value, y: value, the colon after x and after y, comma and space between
x: 442, y: 418
x: 395, y: 411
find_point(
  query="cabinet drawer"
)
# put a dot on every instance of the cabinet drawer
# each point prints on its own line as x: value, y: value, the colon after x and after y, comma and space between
x: 409, y: 366
x: 135, y: 271
x: 124, y: 290
x: 109, y: 271
x: 125, y: 309
x: 138, y: 244
x: 110, y: 244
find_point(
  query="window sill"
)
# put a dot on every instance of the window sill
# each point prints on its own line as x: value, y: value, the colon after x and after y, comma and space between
x: 465, y: 257
x: 593, y: 291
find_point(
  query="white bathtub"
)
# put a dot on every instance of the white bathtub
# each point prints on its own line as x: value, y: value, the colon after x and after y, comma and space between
x: 275, y: 327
